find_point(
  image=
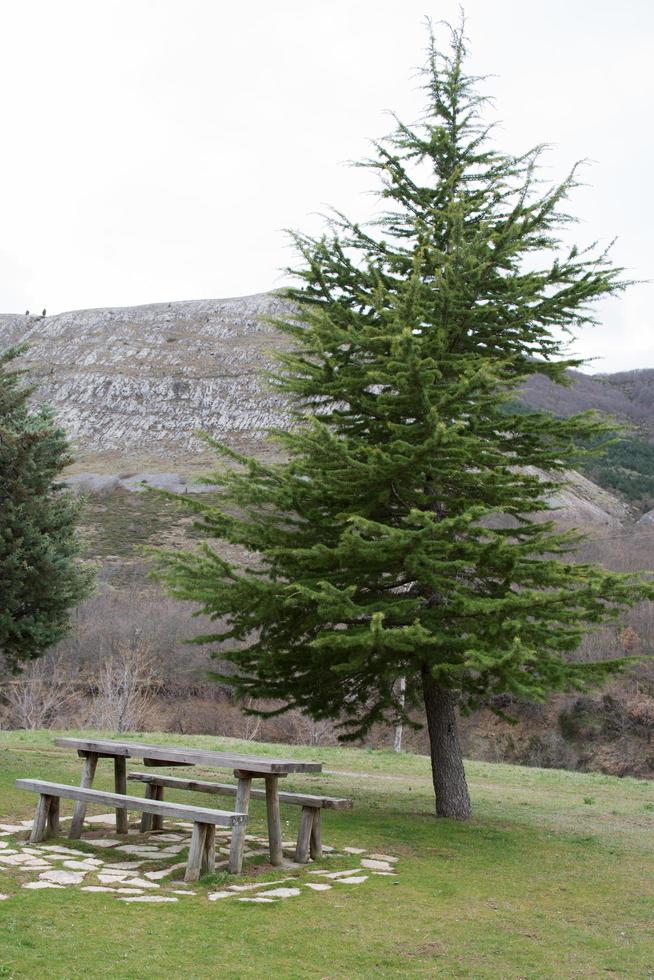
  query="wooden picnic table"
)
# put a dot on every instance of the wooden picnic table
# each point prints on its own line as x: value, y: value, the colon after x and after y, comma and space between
x: 245, y: 769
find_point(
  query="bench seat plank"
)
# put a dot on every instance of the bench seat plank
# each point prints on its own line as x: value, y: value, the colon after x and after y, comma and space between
x: 309, y: 841
x: 229, y: 789
x: 184, y: 811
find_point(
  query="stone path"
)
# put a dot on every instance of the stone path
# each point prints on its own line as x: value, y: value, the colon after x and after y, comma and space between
x: 92, y: 867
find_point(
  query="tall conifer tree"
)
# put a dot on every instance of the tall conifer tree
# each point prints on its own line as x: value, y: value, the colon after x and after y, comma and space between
x: 41, y: 579
x: 404, y: 536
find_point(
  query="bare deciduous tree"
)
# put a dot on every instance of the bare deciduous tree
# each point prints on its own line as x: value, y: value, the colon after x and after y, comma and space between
x: 40, y: 694
x: 251, y: 723
x: 307, y: 731
x: 125, y: 688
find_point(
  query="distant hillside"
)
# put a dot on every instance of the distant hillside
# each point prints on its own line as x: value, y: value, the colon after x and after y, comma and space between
x: 627, y: 395
x: 133, y: 386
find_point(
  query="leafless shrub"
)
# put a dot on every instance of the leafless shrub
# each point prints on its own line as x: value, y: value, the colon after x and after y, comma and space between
x: 201, y: 715
x: 547, y: 751
x: 251, y: 724
x: 305, y: 731
x: 600, y: 644
x: 640, y: 712
x: 112, y: 617
x: 41, y: 695
x: 125, y: 689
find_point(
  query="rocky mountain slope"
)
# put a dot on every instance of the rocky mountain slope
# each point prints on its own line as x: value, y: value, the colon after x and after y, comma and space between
x: 133, y: 386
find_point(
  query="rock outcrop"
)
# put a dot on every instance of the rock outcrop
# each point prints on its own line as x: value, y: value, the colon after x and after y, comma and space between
x: 136, y: 385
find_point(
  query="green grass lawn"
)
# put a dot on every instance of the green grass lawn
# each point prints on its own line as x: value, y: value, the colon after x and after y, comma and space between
x: 554, y: 877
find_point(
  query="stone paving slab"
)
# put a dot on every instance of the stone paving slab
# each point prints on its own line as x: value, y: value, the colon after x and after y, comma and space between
x: 281, y: 893
x: 57, y: 866
x: 376, y: 865
x: 41, y: 884
x: 150, y: 898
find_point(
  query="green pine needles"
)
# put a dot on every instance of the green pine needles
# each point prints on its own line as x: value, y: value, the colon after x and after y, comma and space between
x: 404, y: 535
x: 41, y: 579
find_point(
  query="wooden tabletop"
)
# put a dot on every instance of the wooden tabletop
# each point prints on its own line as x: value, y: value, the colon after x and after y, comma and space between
x: 265, y: 765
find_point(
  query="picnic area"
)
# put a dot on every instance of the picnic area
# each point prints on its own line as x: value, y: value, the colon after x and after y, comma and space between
x: 553, y: 876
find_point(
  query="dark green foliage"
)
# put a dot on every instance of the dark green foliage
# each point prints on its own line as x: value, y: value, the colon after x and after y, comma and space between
x: 402, y: 537
x: 40, y: 577
x: 628, y: 467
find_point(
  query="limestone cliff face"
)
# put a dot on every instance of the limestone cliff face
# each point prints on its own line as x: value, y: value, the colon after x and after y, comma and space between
x: 583, y: 504
x: 139, y: 382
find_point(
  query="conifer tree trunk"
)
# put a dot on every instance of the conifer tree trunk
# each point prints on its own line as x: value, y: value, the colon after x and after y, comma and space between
x: 452, y: 799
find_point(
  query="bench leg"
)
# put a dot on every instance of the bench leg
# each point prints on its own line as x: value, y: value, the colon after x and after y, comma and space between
x: 274, y: 820
x: 88, y: 774
x: 157, y: 820
x: 196, y: 852
x: 238, y: 830
x: 120, y: 777
x: 146, y: 818
x: 208, y: 865
x: 315, y: 845
x: 39, y: 827
x: 52, y: 827
x: 304, y: 835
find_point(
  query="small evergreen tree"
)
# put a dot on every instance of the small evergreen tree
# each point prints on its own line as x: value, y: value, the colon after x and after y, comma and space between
x: 40, y: 576
x: 403, y: 537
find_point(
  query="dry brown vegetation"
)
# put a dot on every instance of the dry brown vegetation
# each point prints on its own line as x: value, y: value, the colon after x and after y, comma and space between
x: 128, y: 665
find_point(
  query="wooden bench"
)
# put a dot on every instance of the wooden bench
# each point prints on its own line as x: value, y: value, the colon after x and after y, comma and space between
x: 201, y: 855
x: 309, y: 841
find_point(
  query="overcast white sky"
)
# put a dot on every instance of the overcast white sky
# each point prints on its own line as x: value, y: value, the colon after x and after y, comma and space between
x: 155, y: 150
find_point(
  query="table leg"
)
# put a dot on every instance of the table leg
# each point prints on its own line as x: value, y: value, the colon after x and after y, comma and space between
x: 120, y: 775
x: 274, y: 820
x: 242, y: 805
x: 88, y: 774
